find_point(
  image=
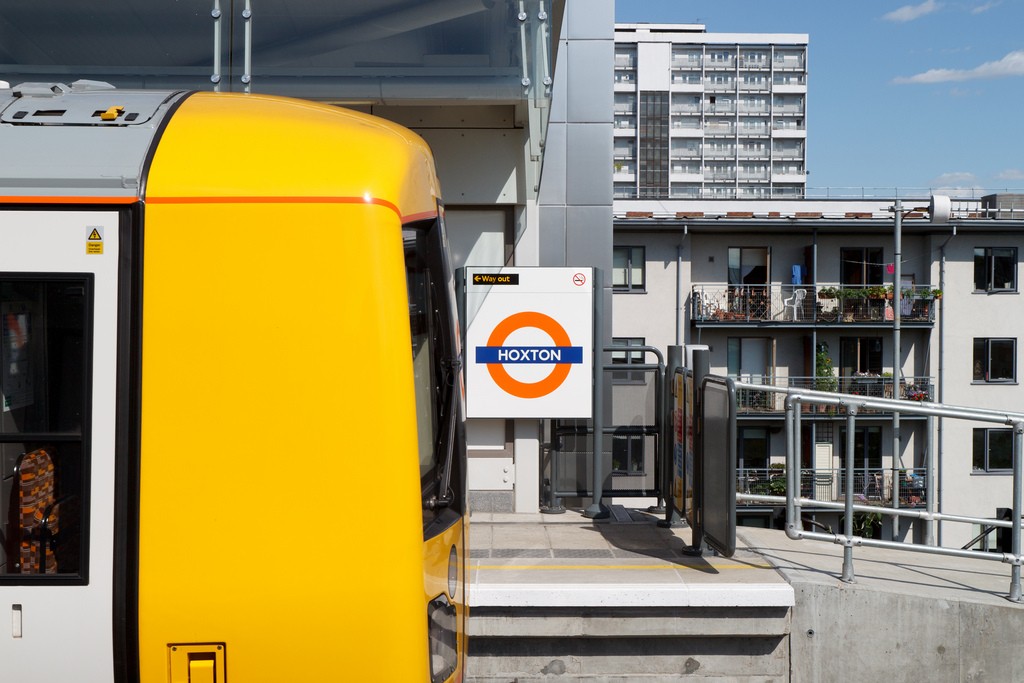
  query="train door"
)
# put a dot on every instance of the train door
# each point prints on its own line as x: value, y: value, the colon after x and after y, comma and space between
x: 58, y: 351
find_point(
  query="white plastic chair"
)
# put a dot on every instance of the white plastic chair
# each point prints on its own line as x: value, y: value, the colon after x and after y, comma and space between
x: 794, y: 302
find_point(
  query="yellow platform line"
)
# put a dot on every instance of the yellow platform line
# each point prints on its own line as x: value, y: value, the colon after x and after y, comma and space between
x: 573, y: 567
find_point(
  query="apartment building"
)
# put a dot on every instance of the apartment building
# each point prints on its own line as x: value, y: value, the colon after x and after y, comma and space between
x: 796, y: 294
x: 709, y: 115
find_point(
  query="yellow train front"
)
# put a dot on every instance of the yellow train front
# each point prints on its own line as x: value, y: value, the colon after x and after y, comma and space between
x: 231, y: 437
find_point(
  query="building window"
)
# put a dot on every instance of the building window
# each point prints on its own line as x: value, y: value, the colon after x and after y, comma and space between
x: 627, y: 454
x: 995, y: 360
x: 628, y: 358
x: 748, y: 266
x: 653, y: 144
x: 995, y: 269
x: 628, y: 269
x: 860, y: 266
x: 753, y: 450
x: 860, y: 357
x: 993, y: 450
x: 867, y: 448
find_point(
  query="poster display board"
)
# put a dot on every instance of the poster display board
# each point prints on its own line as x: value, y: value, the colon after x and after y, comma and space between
x: 683, y: 447
x: 718, y: 464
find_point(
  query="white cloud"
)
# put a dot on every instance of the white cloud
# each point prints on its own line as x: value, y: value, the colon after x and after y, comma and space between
x: 1011, y: 174
x: 956, y: 179
x: 1010, y: 65
x: 984, y: 7
x: 911, y: 12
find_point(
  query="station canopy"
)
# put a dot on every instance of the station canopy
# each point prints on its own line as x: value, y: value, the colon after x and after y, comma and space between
x: 388, y: 52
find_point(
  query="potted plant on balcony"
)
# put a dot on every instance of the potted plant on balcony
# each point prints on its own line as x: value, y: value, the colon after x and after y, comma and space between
x: 916, y: 393
x: 824, y: 373
x: 923, y: 305
x: 828, y: 292
x: 878, y: 292
x: 853, y: 303
x: 777, y: 479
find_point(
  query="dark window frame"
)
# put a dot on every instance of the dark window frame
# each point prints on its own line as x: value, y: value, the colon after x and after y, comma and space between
x: 754, y: 276
x: 432, y: 318
x: 982, y: 456
x: 632, y: 253
x: 71, y: 449
x: 988, y: 264
x: 631, y: 448
x: 628, y: 358
x: 983, y: 363
x: 861, y: 266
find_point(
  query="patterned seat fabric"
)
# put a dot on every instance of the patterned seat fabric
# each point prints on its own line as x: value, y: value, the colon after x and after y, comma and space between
x: 36, y: 491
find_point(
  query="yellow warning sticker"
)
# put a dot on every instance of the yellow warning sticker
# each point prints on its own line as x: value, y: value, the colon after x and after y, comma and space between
x: 94, y: 242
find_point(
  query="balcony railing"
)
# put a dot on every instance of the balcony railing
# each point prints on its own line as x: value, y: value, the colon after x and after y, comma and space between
x: 867, y: 385
x: 718, y: 303
x: 871, y: 486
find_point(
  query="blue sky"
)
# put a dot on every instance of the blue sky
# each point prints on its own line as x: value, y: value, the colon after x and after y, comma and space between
x: 921, y: 95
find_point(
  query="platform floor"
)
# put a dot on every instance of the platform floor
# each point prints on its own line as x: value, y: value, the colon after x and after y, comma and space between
x: 568, y: 560
x: 627, y: 560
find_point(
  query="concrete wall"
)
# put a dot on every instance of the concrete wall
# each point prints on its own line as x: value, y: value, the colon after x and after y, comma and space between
x: 625, y: 645
x: 840, y: 633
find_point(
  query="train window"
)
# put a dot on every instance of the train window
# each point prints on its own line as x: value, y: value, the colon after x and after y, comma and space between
x: 44, y: 382
x: 422, y: 324
x: 435, y: 365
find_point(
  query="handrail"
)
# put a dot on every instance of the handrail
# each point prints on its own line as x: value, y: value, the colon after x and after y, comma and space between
x: 852, y: 405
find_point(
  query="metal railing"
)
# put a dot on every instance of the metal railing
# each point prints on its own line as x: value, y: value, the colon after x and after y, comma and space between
x: 871, y: 486
x: 918, y: 388
x: 851, y: 407
x: 836, y: 303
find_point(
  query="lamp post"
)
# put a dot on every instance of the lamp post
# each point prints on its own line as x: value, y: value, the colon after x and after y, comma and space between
x: 938, y: 212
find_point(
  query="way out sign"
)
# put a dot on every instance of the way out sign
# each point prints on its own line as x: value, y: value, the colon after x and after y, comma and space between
x: 529, y: 342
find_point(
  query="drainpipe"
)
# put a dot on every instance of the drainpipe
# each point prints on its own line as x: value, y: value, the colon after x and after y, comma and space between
x: 897, y: 355
x: 679, y: 287
x: 936, y: 492
x: 814, y: 337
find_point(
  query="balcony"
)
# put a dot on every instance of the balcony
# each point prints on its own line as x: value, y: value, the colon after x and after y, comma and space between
x: 833, y: 304
x: 754, y: 402
x: 718, y: 85
x: 754, y: 62
x: 685, y: 78
x: 871, y: 485
x: 788, y: 62
x: 751, y: 131
x: 756, y: 85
